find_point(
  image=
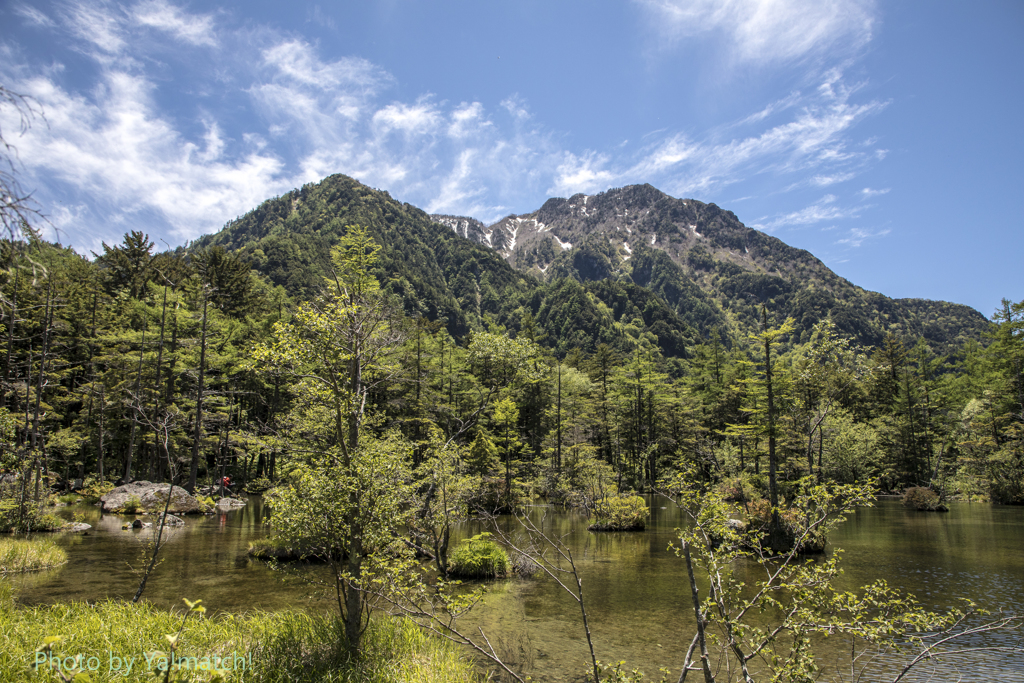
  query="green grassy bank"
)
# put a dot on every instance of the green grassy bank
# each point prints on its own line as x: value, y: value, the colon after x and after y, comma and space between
x: 22, y: 555
x: 262, y: 647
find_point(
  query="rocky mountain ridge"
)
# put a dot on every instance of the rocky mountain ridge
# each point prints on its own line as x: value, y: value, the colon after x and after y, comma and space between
x: 697, y: 254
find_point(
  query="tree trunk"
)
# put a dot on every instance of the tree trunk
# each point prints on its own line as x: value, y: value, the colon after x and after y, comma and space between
x: 197, y: 434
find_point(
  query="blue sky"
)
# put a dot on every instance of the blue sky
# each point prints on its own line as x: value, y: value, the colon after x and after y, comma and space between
x: 885, y: 138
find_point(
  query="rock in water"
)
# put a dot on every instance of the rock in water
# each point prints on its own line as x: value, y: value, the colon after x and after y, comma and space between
x: 171, y: 521
x: 230, y: 502
x: 152, y: 497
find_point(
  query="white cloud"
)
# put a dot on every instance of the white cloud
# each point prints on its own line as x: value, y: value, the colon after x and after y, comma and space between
x: 158, y: 14
x: 767, y: 30
x: 296, y: 62
x: 516, y: 106
x: 868, y: 192
x: 825, y: 209
x: 826, y: 180
x: 468, y: 120
x: 122, y: 154
x: 97, y: 23
x: 814, y: 139
x: 582, y: 174
x: 421, y: 117
x: 34, y: 16
x: 858, y: 236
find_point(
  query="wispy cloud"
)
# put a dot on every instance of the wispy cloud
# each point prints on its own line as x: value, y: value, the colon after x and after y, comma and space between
x: 815, y: 140
x: 857, y: 236
x: 158, y: 14
x: 34, y: 16
x: 825, y: 209
x: 826, y: 180
x: 869, y: 192
x: 97, y: 23
x: 122, y: 154
x: 766, y: 31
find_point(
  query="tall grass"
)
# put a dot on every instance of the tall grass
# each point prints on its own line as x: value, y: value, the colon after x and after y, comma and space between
x: 21, y: 555
x: 285, y: 646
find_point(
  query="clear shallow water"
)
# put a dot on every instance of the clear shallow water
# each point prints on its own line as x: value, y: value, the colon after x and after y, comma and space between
x: 636, y: 589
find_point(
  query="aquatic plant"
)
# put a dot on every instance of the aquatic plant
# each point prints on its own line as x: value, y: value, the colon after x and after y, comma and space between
x: 479, y: 558
x: 24, y: 555
x: 621, y: 513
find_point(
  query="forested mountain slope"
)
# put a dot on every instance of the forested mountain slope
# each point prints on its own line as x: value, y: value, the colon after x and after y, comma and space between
x: 708, y: 266
x: 589, y: 269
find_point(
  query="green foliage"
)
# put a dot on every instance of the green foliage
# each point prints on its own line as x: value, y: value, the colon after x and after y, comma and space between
x: 482, y: 457
x: 923, y: 498
x: 479, y: 557
x: 621, y: 513
x: 803, y: 595
x: 132, y: 506
x: 17, y: 518
x: 797, y: 531
x: 93, y: 490
x: 258, y: 485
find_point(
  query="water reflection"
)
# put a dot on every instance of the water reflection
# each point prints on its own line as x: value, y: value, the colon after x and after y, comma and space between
x: 636, y: 588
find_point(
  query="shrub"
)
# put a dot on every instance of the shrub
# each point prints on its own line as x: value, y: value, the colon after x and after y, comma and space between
x: 923, y: 498
x: 738, y: 489
x: 93, y: 490
x: 258, y: 485
x: 759, y: 517
x: 479, y: 558
x: 12, y: 521
x: 48, y: 522
x: 623, y: 513
x: 132, y: 506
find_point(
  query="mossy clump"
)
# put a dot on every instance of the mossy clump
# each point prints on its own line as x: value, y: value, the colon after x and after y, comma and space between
x: 277, y: 548
x: 794, y: 528
x: 622, y: 513
x: 923, y: 498
x: 132, y: 506
x: 479, y: 558
x: 22, y: 555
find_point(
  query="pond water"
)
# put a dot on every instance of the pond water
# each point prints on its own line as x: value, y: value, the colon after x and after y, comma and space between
x: 636, y: 589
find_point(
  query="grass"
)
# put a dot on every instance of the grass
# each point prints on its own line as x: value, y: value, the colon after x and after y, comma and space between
x: 621, y: 513
x: 479, y: 558
x: 20, y: 555
x: 285, y: 646
x: 274, y: 548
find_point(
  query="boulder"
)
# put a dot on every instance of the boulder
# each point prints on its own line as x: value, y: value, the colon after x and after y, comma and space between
x: 171, y: 521
x: 76, y: 527
x: 139, y: 524
x: 230, y: 502
x: 152, y: 498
